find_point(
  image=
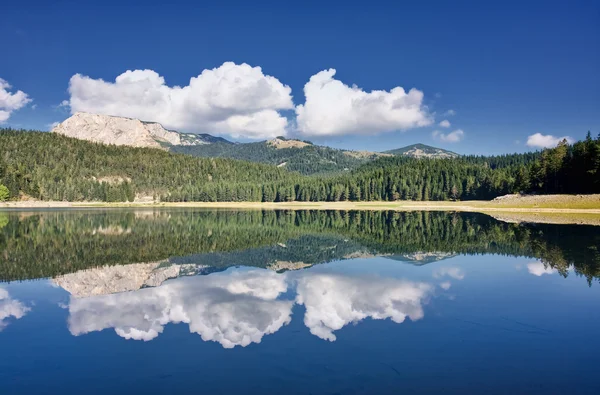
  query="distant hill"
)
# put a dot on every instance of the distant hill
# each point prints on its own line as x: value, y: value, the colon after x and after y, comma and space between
x: 293, y: 155
x: 422, y: 151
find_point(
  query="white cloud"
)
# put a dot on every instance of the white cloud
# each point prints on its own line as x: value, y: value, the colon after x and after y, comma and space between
x: 450, y: 113
x: 451, y: 271
x: 10, y: 102
x: 539, y: 140
x: 446, y: 285
x: 333, y: 301
x: 452, y: 137
x: 238, y: 100
x: 445, y: 123
x: 10, y: 308
x: 232, y: 308
x: 52, y: 125
x: 539, y: 269
x: 334, y: 108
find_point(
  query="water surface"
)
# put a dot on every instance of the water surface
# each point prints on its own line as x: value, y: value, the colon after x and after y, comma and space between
x: 305, y: 302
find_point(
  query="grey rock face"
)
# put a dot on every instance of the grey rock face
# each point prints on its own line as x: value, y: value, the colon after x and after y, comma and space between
x: 107, y: 129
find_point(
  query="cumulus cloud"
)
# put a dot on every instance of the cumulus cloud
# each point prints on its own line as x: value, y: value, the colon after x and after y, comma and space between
x: 539, y: 140
x: 452, y: 137
x: 10, y: 102
x: 449, y: 271
x: 539, y: 269
x: 446, y: 285
x: 445, y: 123
x: 333, y: 301
x: 10, y: 308
x: 235, y: 308
x: 238, y: 100
x: 334, y: 108
x: 450, y: 113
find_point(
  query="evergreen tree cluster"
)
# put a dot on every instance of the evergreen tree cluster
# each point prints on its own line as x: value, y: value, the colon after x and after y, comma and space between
x: 50, y: 166
x: 53, y: 167
x: 308, y: 160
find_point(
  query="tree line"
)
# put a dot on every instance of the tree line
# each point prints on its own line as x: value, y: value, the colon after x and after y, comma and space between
x: 53, y: 167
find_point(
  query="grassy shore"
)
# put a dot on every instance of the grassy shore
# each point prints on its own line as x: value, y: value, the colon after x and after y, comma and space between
x: 580, y: 209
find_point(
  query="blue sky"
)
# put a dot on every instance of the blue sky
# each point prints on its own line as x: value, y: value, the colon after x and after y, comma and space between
x: 507, y: 69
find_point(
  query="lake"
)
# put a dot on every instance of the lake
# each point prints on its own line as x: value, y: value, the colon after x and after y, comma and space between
x: 177, y: 301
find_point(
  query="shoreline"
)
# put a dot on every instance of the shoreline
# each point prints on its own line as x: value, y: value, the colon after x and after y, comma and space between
x: 501, y: 210
x: 466, y: 206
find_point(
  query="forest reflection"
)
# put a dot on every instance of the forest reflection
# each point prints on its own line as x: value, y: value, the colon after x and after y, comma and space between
x: 49, y: 244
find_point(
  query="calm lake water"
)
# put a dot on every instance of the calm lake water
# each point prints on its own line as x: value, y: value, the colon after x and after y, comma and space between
x: 251, y: 302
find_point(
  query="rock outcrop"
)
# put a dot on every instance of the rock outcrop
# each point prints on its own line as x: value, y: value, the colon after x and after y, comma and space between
x: 422, y: 151
x: 282, y: 143
x: 108, y: 129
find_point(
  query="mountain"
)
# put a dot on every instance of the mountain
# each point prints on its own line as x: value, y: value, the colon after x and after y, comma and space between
x: 422, y: 151
x: 108, y: 129
x: 294, y: 155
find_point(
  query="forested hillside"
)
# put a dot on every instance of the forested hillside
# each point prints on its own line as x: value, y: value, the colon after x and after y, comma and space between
x: 308, y: 160
x: 53, y: 167
x: 50, y: 166
x: 565, y: 169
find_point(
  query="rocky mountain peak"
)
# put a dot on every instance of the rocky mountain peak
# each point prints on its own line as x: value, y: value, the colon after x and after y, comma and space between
x: 109, y: 129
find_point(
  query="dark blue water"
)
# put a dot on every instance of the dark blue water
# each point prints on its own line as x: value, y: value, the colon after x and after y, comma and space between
x: 375, y: 322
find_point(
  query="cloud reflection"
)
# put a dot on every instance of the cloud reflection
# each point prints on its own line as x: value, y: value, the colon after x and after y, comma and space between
x: 539, y: 269
x: 236, y: 308
x: 10, y: 308
x: 451, y: 271
x: 239, y: 307
x: 333, y: 301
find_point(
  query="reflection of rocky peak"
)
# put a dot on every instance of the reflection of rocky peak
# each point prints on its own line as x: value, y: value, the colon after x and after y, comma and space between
x: 287, y: 265
x: 422, y: 257
x: 115, y: 279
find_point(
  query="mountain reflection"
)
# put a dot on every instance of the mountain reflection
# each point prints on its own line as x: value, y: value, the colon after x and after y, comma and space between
x: 49, y: 244
x: 240, y: 306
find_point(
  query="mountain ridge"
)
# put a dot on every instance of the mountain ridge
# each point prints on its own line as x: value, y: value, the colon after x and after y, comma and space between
x: 293, y: 154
